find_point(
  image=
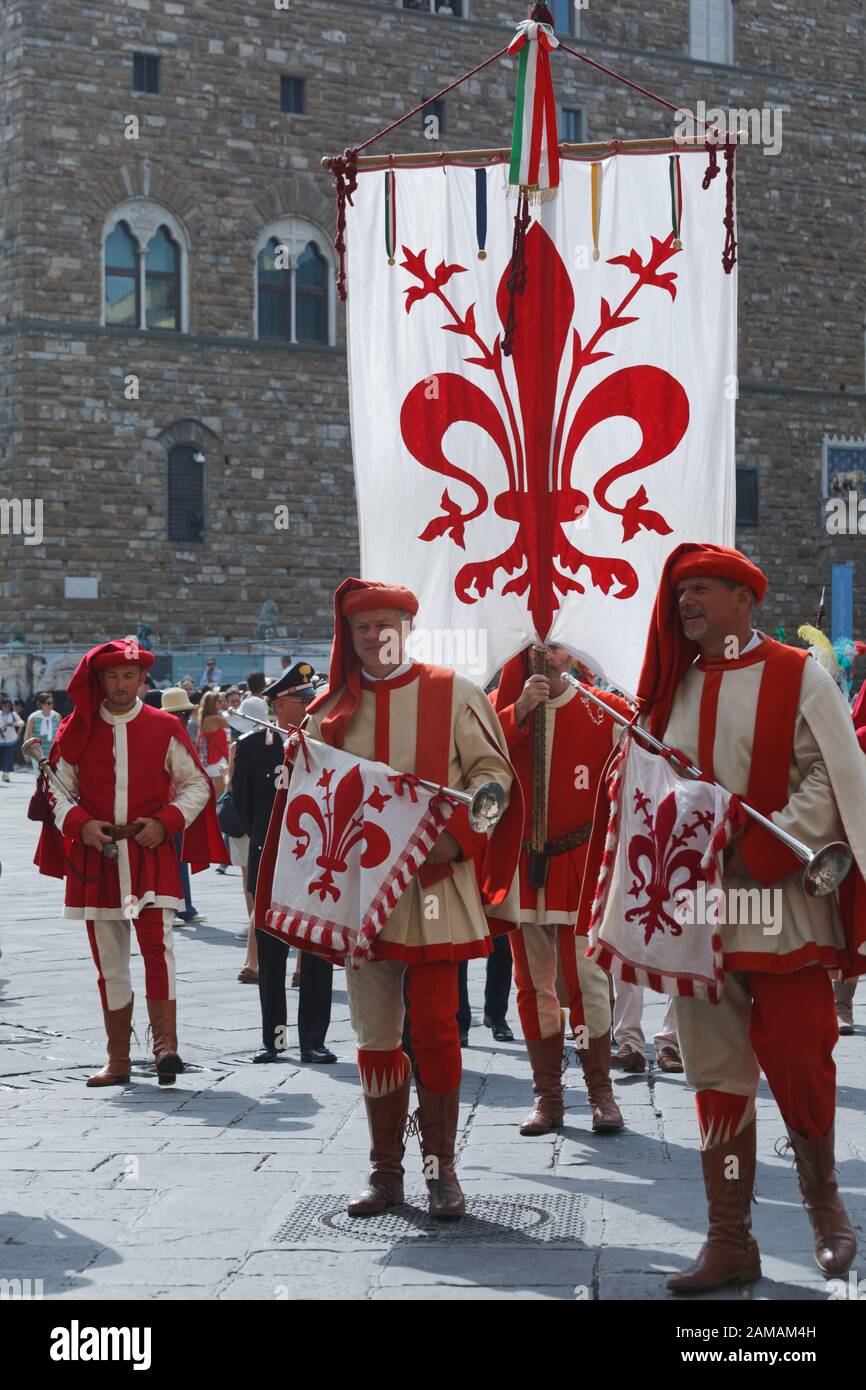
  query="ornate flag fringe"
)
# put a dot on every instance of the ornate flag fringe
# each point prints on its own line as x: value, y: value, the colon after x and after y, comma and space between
x: 535, y: 141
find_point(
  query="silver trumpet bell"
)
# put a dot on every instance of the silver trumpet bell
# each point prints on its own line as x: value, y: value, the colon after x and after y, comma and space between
x: 486, y: 804
x: 826, y: 869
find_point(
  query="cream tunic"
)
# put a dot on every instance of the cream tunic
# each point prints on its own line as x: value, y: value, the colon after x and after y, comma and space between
x: 449, y: 912
x: 811, y: 813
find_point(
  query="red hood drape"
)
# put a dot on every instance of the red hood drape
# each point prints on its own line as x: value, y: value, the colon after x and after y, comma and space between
x: 669, y: 653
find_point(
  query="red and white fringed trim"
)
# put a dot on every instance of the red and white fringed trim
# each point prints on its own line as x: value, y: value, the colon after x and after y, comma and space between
x: 358, y: 947
x: 382, y: 1073
x: 612, y: 963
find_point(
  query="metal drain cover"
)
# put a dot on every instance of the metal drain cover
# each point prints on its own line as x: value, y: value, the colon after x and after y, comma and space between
x: 527, y: 1219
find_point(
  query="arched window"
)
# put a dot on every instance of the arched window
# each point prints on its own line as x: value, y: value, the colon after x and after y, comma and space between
x: 295, y: 282
x: 274, y: 291
x: 121, y: 277
x: 162, y: 281
x: 311, y: 314
x: 146, y: 251
x: 186, y: 493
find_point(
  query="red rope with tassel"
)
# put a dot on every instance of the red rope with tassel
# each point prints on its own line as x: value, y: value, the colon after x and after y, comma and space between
x: 344, y: 168
x: 344, y: 176
x: 729, y: 254
x: 517, y: 277
x: 712, y: 167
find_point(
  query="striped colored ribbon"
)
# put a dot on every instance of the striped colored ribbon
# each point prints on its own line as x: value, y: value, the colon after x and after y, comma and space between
x: 390, y: 214
x: 676, y: 199
x: 595, y: 185
x: 481, y: 212
x: 534, y: 141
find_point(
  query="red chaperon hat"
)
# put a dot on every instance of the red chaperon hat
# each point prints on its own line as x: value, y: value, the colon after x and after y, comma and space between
x: 85, y: 692
x: 353, y: 596
x: 669, y: 653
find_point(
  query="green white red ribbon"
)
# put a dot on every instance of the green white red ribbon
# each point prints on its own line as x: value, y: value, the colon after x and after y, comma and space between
x: 535, y: 140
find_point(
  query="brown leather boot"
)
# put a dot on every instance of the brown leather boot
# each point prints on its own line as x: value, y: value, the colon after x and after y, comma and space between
x: 729, y: 1254
x: 835, y: 1241
x: 438, y: 1117
x: 386, y: 1117
x: 163, y: 1022
x: 545, y: 1058
x: 595, y: 1060
x: 118, y: 1030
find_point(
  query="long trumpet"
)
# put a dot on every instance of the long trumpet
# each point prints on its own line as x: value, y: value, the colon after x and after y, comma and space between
x: 109, y: 851
x: 485, y: 805
x: 825, y: 868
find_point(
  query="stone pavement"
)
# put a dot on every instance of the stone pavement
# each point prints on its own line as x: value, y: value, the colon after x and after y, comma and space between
x: 230, y: 1185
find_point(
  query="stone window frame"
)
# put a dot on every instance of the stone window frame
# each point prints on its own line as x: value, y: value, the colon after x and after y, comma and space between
x: 578, y: 109
x: 697, y: 53
x: 295, y: 232
x: 144, y: 217
x: 152, y: 54
x: 574, y: 11
x: 292, y: 76
x: 192, y: 432
x: 836, y: 441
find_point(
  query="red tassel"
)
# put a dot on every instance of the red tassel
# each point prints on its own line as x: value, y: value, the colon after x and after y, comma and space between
x: 729, y: 255
x: 517, y: 277
x: 344, y: 176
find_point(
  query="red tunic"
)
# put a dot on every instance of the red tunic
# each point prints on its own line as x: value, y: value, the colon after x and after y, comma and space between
x: 122, y: 777
x: 582, y: 739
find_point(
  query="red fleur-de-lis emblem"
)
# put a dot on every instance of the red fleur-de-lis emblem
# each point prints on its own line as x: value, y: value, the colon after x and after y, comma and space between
x: 339, y: 818
x: 660, y: 863
x: 537, y: 435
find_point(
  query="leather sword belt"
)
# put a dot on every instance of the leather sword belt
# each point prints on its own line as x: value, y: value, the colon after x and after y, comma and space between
x: 572, y: 840
x: 123, y: 832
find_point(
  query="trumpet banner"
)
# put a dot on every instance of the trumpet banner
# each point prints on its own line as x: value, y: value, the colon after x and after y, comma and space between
x: 652, y: 923
x: 353, y: 836
x: 540, y: 493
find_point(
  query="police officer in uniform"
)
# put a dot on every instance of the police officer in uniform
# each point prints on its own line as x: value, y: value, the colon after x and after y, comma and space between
x: 258, y: 758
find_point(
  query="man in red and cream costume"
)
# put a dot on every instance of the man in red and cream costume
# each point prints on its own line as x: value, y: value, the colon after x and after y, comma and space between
x: 768, y: 724
x: 138, y: 783
x: 428, y: 721
x: 577, y: 744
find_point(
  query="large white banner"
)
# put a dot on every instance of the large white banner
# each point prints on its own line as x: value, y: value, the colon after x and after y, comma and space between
x: 539, y: 493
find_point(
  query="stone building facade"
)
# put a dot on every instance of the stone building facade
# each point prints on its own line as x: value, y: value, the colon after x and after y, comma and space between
x: 92, y: 410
